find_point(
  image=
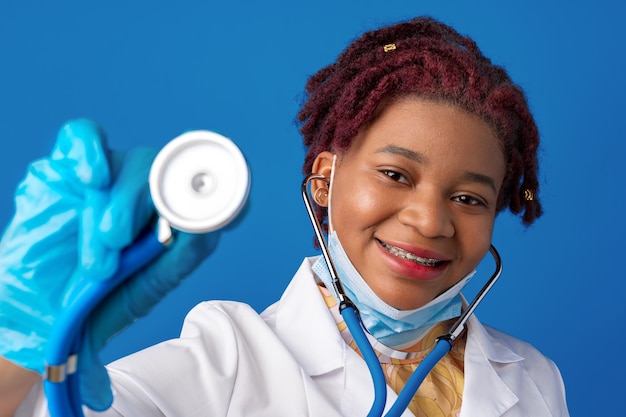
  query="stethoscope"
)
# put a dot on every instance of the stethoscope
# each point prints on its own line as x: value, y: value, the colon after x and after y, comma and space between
x: 349, y: 312
x: 199, y: 182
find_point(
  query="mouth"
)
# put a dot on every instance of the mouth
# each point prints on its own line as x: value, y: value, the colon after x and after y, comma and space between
x: 411, y: 257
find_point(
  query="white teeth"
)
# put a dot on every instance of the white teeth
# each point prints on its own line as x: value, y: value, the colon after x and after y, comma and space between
x: 401, y: 253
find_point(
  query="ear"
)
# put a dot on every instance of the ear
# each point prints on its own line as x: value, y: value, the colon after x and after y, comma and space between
x: 323, y: 165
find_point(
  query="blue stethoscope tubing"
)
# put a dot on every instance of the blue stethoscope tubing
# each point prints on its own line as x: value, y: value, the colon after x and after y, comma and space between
x: 199, y: 182
x: 61, y: 382
x: 349, y: 312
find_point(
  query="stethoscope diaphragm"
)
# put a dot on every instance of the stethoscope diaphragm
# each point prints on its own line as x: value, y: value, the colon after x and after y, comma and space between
x: 199, y: 181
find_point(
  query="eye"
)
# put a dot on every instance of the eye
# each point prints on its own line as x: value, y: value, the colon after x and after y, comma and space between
x: 395, y: 176
x: 469, y: 200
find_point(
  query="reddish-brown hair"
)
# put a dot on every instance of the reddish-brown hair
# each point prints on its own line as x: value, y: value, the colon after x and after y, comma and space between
x: 427, y: 58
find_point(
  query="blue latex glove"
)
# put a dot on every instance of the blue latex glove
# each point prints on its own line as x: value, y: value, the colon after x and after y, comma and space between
x: 75, y: 212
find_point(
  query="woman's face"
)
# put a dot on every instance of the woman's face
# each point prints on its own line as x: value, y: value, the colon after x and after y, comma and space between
x: 414, y: 198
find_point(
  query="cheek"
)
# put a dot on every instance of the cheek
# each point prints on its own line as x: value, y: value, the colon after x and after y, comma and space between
x: 478, y: 240
x: 358, y: 205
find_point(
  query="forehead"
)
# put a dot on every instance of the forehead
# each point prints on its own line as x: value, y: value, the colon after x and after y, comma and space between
x: 436, y: 130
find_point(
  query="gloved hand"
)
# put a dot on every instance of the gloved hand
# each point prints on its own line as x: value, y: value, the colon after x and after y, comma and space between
x: 75, y: 211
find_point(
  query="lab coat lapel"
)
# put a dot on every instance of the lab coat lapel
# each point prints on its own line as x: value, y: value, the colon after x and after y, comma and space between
x: 303, y: 323
x: 495, y: 377
x: 485, y: 393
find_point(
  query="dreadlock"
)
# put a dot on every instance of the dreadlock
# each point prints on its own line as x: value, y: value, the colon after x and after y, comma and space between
x: 427, y: 58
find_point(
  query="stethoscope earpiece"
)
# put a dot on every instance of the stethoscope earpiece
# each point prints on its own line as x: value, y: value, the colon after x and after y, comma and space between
x: 321, y: 196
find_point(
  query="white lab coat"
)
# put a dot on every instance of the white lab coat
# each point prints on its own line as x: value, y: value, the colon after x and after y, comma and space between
x: 292, y: 361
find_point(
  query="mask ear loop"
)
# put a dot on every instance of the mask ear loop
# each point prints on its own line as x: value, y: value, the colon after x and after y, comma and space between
x: 330, y: 192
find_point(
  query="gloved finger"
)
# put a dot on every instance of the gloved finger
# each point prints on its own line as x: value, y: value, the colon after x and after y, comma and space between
x: 136, y: 297
x: 97, y: 259
x: 129, y: 207
x: 95, y: 384
x: 80, y: 154
x: 112, y: 220
x: 81, y: 150
x: 51, y: 194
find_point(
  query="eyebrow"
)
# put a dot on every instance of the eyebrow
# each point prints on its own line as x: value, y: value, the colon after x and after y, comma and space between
x: 481, y: 179
x: 407, y: 153
x: 421, y: 159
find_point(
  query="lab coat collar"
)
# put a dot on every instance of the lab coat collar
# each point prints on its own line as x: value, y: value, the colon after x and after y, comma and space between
x: 493, y: 371
x: 312, y: 320
x: 493, y: 349
x: 495, y: 375
x: 485, y: 392
x: 304, y: 324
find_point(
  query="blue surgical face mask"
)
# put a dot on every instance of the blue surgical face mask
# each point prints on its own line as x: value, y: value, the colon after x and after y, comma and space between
x: 394, y: 328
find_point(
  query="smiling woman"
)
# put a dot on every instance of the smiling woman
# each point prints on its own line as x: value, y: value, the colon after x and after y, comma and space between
x: 419, y: 141
x: 414, y: 198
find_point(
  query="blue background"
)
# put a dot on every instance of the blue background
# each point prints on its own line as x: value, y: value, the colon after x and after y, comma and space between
x: 148, y: 71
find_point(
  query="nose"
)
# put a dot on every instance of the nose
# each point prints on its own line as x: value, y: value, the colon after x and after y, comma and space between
x: 428, y: 213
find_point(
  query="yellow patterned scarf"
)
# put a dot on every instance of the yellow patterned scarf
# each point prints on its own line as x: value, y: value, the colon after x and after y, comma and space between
x: 441, y: 392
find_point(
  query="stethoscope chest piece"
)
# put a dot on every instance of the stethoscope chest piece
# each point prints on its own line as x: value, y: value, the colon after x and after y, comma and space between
x: 199, y: 181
